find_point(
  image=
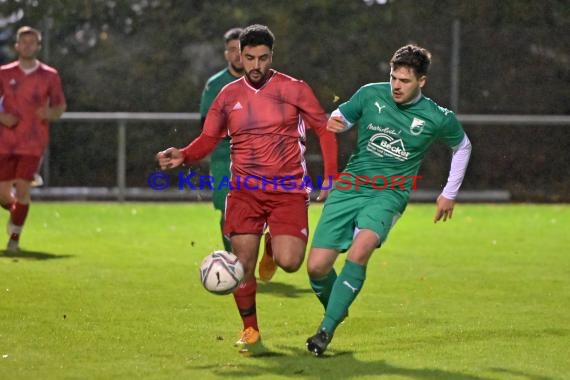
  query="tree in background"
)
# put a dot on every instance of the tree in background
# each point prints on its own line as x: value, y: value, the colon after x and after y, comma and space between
x: 153, y: 56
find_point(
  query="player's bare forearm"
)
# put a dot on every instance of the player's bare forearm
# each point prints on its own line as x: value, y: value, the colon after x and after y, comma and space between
x: 444, y: 209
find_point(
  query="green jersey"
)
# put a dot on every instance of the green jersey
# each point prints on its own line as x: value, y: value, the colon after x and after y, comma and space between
x: 393, y: 139
x: 220, y: 158
x: 213, y: 86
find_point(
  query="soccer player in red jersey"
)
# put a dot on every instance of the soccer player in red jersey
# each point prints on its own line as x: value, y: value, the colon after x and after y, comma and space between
x: 32, y: 97
x: 264, y: 114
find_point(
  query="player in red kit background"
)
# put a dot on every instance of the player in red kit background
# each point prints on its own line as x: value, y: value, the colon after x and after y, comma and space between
x: 32, y: 97
x: 264, y: 114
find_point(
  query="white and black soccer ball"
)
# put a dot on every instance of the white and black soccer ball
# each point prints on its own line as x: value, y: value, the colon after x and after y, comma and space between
x: 221, y: 272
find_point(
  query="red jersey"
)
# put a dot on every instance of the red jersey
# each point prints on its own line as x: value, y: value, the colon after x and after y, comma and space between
x: 267, y: 130
x: 23, y: 95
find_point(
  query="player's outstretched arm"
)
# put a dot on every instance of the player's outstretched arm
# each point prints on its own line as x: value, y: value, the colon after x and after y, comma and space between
x: 459, y: 161
x: 444, y: 208
x: 314, y: 115
x: 329, y: 150
x: 169, y: 158
x: 195, y: 151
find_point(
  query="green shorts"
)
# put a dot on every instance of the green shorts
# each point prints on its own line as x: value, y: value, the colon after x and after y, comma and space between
x: 220, y: 168
x: 346, y: 212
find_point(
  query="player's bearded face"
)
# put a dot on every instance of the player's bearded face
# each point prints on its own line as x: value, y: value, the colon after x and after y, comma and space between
x: 405, y: 84
x: 256, y: 63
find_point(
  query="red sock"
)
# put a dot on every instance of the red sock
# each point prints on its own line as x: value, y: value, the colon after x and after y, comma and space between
x: 18, y: 213
x: 244, y: 296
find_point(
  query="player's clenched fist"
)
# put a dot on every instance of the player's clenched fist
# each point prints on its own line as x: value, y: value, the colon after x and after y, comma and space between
x: 336, y: 124
x: 170, y: 158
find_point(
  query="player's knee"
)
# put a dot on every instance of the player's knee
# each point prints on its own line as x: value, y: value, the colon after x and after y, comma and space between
x: 290, y: 263
x: 316, y: 269
x: 6, y: 198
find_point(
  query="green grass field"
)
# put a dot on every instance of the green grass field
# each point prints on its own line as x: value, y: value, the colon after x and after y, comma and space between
x: 111, y: 291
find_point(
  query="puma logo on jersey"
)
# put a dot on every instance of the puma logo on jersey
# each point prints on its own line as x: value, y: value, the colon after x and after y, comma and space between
x: 354, y: 290
x: 237, y: 106
x: 379, y: 107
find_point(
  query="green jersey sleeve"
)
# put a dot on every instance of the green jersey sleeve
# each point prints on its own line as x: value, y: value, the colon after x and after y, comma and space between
x: 352, y: 108
x: 451, y: 132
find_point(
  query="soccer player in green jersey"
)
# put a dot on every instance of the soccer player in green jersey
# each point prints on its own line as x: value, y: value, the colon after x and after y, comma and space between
x: 396, y: 126
x: 220, y: 158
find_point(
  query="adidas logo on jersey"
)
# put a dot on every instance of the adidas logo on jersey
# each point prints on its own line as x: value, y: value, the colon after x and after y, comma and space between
x: 237, y: 106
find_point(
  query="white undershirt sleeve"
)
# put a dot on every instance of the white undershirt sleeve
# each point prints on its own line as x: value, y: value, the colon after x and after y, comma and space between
x: 459, y: 161
x: 347, y: 124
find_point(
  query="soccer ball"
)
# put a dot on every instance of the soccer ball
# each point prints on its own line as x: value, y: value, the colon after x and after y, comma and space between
x: 221, y: 272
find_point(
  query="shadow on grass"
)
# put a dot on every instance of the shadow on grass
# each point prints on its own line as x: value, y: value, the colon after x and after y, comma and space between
x: 512, y: 373
x: 296, y: 362
x: 333, y: 365
x: 30, y: 255
x: 281, y: 289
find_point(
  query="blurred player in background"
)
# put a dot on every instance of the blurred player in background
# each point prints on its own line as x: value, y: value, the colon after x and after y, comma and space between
x: 396, y: 126
x: 32, y: 97
x: 220, y: 158
x: 264, y: 114
x: 38, y: 180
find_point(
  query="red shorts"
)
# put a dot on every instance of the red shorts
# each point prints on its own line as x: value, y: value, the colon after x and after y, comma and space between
x: 16, y: 166
x: 249, y: 211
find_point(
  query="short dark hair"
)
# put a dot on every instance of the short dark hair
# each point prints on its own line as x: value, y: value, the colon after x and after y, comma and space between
x: 232, y: 34
x: 255, y: 35
x: 28, y: 30
x: 414, y: 57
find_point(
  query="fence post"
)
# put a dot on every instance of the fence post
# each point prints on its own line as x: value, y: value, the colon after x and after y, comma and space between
x: 121, y: 160
x: 455, y: 57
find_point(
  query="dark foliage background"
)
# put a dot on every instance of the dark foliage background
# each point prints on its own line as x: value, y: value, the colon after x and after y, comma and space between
x: 155, y: 55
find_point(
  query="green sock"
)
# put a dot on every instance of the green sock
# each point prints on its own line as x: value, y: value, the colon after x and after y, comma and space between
x: 344, y: 292
x: 323, y: 287
x: 227, y: 244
